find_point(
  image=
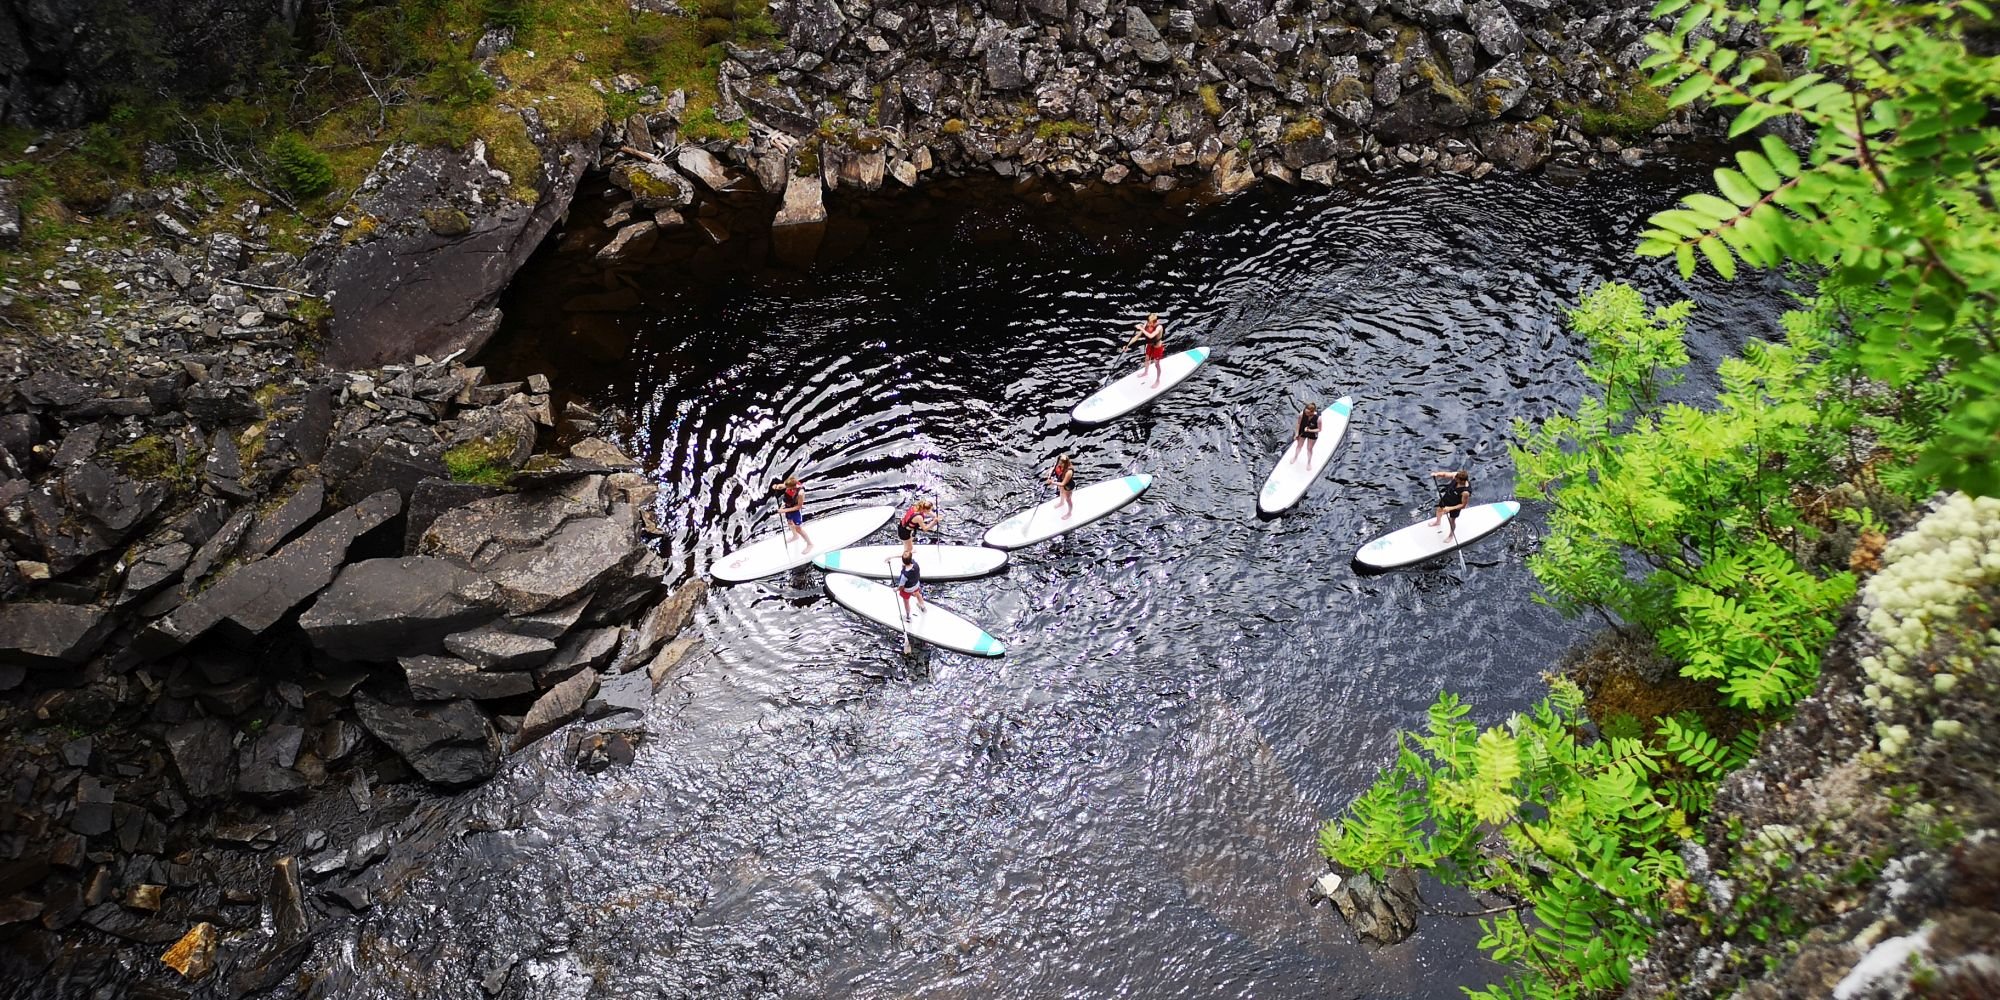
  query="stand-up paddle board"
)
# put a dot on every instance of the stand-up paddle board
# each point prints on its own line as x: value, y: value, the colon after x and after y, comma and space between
x: 1420, y: 541
x: 1288, y: 482
x: 1045, y: 521
x: 935, y: 625
x: 780, y: 552
x: 1137, y: 389
x: 939, y: 562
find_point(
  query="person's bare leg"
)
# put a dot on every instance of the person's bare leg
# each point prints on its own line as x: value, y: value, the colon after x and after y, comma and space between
x: 1069, y: 506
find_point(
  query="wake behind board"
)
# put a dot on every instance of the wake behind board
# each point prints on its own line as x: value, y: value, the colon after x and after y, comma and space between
x: 1288, y: 483
x: 938, y: 626
x: 939, y: 562
x: 780, y: 552
x: 1137, y: 389
x: 1045, y: 521
x: 1420, y: 541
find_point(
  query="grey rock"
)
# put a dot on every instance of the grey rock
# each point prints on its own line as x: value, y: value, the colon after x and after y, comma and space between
x: 586, y: 650
x: 381, y: 609
x: 203, y: 755
x: 1003, y: 64
x: 10, y: 215
x: 630, y: 240
x: 416, y: 292
x: 221, y: 545
x: 701, y: 165
x: 1383, y: 912
x: 431, y: 499
x: 1244, y: 13
x: 50, y: 635
x: 1501, y: 88
x: 495, y: 649
x: 670, y: 659
x: 1460, y: 53
x: 804, y: 202
x: 1145, y: 38
x: 817, y: 26
x: 451, y: 744
x: 153, y: 569
x: 480, y: 533
x: 443, y: 678
x: 627, y: 694
x: 1514, y: 146
x: 256, y: 596
x: 279, y: 524
x: 663, y: 623
x: 578, y: 558
x: 551, y: 624
x: 556, y: 707
x: 264, y: 766
x: 1429, y: 13
x: 1495, y: 27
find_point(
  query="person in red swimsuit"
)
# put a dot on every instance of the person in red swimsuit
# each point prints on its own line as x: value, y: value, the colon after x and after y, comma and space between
x: 1155, y: 337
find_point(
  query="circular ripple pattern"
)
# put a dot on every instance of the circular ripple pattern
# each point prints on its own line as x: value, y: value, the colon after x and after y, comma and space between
x: 1125, y: 804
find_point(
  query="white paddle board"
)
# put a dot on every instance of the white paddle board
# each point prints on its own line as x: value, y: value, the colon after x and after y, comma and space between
x: 1045, y: 521
x: 780, y: 552
x: 1288, y: 483
x: 939, y: 562
x: 1137, y: 389
x: 1420, y: 541
x: 935, y: 625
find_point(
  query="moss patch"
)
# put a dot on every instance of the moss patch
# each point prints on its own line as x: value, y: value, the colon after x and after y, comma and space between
x: 1211, y: 101
x: 1304, y: 130
x: 1063, y: 130
x: 482, y: 460
x: 1636, y: 109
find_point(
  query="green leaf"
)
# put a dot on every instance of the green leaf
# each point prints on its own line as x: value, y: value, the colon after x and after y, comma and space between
x: 1758, y: 170
x: 1781, y: 156
x: 1684, y: 258
x: 1691, y: 89
x: 1737, y: 188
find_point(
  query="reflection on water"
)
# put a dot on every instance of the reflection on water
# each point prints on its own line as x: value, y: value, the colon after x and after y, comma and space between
x: 1124, y: 805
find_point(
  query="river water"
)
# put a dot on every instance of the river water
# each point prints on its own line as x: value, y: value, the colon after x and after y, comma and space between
x: 1125, y: 804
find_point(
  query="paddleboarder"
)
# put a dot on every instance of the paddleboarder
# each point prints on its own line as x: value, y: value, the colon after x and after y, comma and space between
x: 1305, y: 432
x: 1454, y: 494
x: 792, y: 504
x: 920, y: 516
x: 1155, y: 337
x: 1059, y: 477
x: 909, y: 582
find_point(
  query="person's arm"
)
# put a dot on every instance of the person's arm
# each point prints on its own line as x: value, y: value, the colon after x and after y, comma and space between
x: 1464, y: 498
x: 1136, y: 336
x: 1444, y: 475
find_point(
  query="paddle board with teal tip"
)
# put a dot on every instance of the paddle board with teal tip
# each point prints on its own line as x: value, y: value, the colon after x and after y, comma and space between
x: 780, y: 552
x: 1137, y: 389
x: 1420, y: 541
x: 1287, y: 484
x: 938, y: 562
x: 1045, y: 521
x: 938, y: 626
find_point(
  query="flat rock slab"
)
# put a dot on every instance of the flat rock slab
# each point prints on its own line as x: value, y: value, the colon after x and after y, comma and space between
x: 50, y: 635
x: 280, y: 523
x: 443, y: 678
x: 498, y: 650
x: 663, y: 623
x: 452, y: 744
x: 381, y: 609
x: 483, y: 531
x: 254, y: 597
x: 557, y: 707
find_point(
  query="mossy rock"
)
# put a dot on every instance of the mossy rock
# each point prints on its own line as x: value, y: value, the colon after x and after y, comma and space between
x: 1304, y: 130
x: 1346, y: 90
x: 447, y: 221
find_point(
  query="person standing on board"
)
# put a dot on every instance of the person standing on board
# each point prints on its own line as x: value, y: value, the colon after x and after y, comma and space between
x: 1059, y: 477
x: 909, y: 582
x: 1305, y: 432
x: 1454, y: 494
x: 792, y: 504
x: 1155, y: 337
x: 919, y: 517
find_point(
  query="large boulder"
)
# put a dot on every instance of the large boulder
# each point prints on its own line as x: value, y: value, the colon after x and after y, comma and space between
x: 1515, y: 146
x: 451, y: 744
x: 382, y: 609
x: 444, y: 678
x: 1498, y: 33
x: 415, y: 291
x: 50, y: 635
x: 1145, y: 38
x: 577, y: 559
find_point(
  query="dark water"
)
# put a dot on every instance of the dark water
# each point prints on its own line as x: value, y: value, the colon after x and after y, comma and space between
x: 1125, y: 804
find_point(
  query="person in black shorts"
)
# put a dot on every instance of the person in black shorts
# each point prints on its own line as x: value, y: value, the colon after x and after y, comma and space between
x: 921, y: 516
x: 1454, y: 494
x: 1305, y: 433
x: 1059, y: 477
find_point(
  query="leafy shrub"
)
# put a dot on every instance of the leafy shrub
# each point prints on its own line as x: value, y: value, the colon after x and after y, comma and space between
x: 300, y: 169
x: 514, y: 14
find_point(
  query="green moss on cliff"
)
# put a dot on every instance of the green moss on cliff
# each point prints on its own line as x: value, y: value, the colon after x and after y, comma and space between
x: 1636, y: 108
